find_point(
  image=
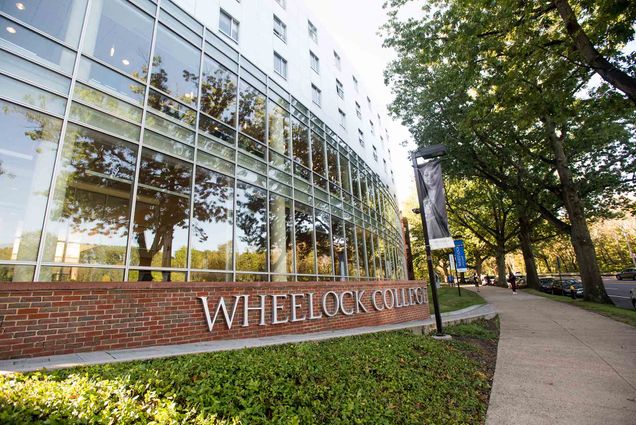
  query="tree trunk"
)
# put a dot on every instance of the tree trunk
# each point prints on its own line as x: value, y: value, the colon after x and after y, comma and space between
x: 525, y: 241
x: 593, y: 287
x: 501, y: 267
x: 614, y: 76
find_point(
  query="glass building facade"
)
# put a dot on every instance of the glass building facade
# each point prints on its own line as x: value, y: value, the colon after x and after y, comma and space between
x: 136, y: 145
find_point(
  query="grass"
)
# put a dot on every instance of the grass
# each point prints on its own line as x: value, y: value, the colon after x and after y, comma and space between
x: 617, y: 313
x: 449, y: 300
x: 383, y: 378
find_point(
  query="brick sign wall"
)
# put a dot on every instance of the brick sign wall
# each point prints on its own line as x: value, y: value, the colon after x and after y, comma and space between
x: 38, y: 319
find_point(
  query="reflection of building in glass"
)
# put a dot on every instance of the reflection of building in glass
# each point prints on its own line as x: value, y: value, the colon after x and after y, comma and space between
x: 138, y: 144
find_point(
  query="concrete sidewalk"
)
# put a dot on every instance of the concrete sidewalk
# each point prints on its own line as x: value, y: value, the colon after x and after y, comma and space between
x: 560, y: 364
x: 468, y: 314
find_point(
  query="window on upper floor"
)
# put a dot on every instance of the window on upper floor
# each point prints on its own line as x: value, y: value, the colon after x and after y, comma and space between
x: 316, y: 95
x: 280, y: 29
x: 355, y: 82
x: 313, y: 31
x: 282, y: 3
x: 361, y: 137
x: 336, y: 60
x: 358, y: 111
x: 369, y: 102
x: 375, y: 154
x: 228, y: 25
x: 385, y: 167
x: 372, y: 127
x: 339, y: 89
x: 314, y: 61
x: 280, y: 65
x: 343, y: 118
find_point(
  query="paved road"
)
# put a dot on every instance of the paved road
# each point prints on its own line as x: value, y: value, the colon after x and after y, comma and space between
x: 560, y: 364
x: 618, y: 291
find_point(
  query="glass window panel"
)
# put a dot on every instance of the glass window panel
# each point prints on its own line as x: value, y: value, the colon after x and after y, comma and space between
x: 332, y: 164
x: 33, y: 73
x: 61, y: 19
x: 172, y: 108
x: 218, y: 92
x: 278, y: 129
x: 210, y: 277
x: 28, y: 44
x: 106, y: 122
x: 27, y: 153
x: 119, y: 34
x: 280, y: 176
x: 318, y: 155
x: 280, y: 188
x: 249, y: 176
x: 211, y: 246
x: 161, y: 213
x: 80, y: 274
x: 214, y: 163
x: 300, y: 145
x: 91, y: 203
x: 304, y: 231
x: 251, y: 228
x: 180, y: 28
x: 156, y: 276
x: 216, y: 129
x: 245, y: 277
x: 281, y: 229
x: 182, y: 16
x: 168, y: 145
x: 252, y: 110
x: 338, y: 243
x: 251, y: 146
x: 175, y: 66
x: 216, y: 148
x: 33, y: 96
x: 169, y: 128
x: 369, y: 252
x: 280, y: 162
x: 352, y: 254
x: 110, y: 81
x: 16, y: 273
x: 362, y: 252
x: 107, y: 103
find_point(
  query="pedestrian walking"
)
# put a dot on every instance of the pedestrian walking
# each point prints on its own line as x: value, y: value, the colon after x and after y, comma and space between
x: 476, y: 281
x: 573, y: 291
x: 512, y: 279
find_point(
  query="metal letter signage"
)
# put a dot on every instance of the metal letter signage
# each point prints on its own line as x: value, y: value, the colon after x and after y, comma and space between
x: 296, y: 307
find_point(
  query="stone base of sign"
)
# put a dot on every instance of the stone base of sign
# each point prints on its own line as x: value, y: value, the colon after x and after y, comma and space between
x: 44, y: 319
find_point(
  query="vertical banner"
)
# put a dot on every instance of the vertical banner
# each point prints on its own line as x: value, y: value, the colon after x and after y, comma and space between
x: 451, y: 261
x: 460, y: 256
x: 431, y: 185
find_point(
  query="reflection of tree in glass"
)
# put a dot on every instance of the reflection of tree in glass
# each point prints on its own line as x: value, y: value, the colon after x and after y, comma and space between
x: 300, y: 143
x: 304, y: 223
x: 252, y: 112
x: 250, y: 219
x: 159, y: 80
x: 218, y: 93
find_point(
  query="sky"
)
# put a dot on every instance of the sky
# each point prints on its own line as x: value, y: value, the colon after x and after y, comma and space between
x: 354, y: 25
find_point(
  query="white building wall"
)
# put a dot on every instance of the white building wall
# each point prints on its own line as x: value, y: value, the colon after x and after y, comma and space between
x: 257, y: 42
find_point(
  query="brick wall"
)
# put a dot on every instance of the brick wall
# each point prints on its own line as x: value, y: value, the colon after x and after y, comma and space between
x: 38, y: 319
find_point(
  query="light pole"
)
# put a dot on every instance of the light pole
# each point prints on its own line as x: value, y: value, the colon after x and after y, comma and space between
x: 430, y: 152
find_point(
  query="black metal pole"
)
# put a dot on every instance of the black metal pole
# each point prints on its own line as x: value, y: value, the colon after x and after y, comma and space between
x: 427, y: 244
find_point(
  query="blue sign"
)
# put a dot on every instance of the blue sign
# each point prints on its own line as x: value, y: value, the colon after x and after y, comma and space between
x: 460, y: 256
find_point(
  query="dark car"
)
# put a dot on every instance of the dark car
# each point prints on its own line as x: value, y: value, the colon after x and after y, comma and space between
x: 626, y: 274
x: 578, y: 288
x: 545, y: 284
x: 559, y: 286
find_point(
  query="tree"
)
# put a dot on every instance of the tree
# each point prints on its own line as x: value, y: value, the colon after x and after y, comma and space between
x: 489, y: 81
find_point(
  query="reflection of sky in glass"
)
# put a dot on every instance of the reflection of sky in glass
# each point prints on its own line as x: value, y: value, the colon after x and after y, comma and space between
x: 26, y: 172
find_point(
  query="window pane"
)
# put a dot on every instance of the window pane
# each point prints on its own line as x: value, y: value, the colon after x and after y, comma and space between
x: 370, y: 256
x: 338, y: 243
x: 80, y: 274
x: 332, y: 164
x: 211, y: 246
x: 27, y: 153
x: 278, y: 129
x: 168, y: 145
x: 110, y: 81
x: 304, y: 226
x: 252, y: 112
x: 281, y: 228
x: 107, y: 103
x: 60, y: 18
x: 32, y: 96
x: 352, y: 254
x: 323, y: 243
x: 362, y: 254
x: 218, y: 92
x: 156, y: 276
x: 161, y: 213
x: 171, y: 108
x: 15, y: 273
x: 300, y: 145
x: 318, y: 154
x: 210, y: 277
x: 251, y: 228
x: 29, y: 44
x: 106, y: 122
x: 175, y: 66
x: 119, y: 34
x: 91, y: 205
x: 34, y: 73
x: 170, y: 128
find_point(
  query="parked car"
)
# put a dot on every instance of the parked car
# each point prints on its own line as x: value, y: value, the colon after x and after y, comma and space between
x: 559, y: 286
x: 626, y: 274
x: 578, y: 288
x: 545, y: 284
